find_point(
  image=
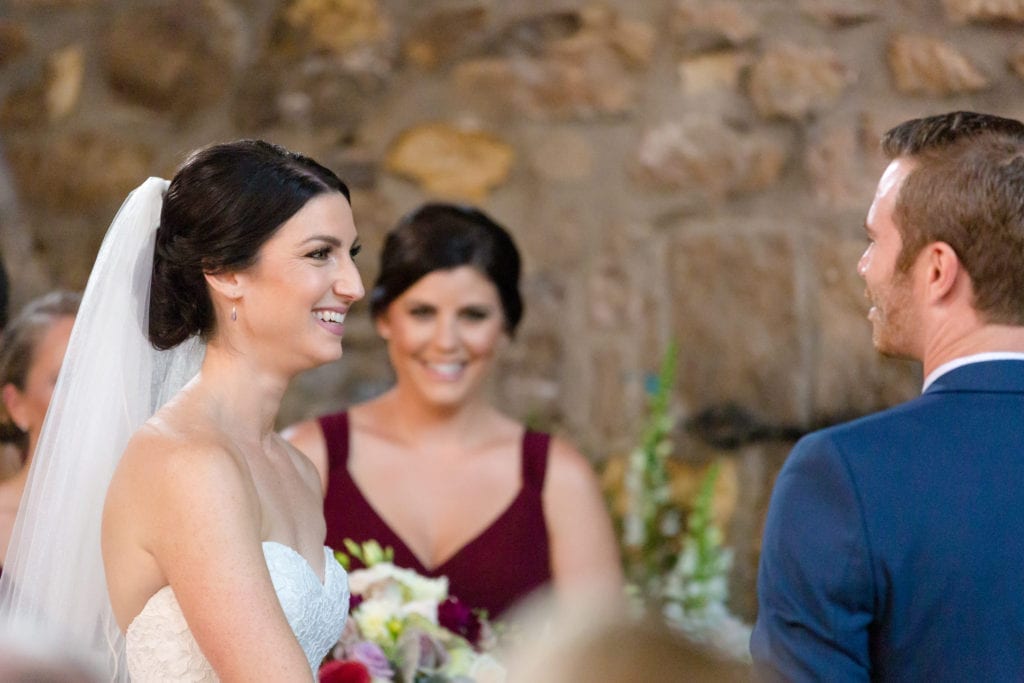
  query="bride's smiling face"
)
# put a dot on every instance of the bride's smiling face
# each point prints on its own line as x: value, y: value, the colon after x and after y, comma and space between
x: 296, y: 296
x: 443, y: 333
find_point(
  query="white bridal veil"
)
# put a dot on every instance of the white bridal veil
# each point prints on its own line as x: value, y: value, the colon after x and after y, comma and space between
x: 112, y: 381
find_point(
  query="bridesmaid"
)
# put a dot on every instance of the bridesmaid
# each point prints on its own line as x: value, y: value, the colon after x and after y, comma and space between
x: 31, y: 354
x: 430, y: 467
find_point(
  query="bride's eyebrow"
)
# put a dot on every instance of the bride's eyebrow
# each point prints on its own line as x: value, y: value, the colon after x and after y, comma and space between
x: 329, y: 239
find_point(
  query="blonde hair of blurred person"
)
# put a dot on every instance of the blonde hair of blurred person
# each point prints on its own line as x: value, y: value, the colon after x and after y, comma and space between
x: 598, y: 644
x: 31, y: 354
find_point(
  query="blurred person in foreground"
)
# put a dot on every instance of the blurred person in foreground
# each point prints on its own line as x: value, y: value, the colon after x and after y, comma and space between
x: 431, y: 468
x: 31, y: 352
x: 599, y: 644
x: 893, y: 544
x: 31, y: 655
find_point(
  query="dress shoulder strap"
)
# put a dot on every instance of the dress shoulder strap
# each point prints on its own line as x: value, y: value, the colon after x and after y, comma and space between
x: 535, y: 458
x: 335, y: 429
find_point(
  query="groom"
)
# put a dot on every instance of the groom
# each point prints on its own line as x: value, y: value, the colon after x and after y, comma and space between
x: 894, y: 545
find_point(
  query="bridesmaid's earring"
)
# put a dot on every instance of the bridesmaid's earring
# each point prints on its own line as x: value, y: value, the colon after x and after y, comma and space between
x: 234, y: 313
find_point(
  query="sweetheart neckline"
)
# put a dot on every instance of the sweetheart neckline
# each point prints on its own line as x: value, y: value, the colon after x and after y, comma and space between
x: 328, y: 557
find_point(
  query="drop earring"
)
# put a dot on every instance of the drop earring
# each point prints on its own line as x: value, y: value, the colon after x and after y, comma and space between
x: 234, y: 313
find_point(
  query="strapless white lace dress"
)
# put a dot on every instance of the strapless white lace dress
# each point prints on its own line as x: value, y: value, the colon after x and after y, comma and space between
x: 160, y: 647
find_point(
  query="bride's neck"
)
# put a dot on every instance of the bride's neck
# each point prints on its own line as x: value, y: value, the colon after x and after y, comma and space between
x: 247, y: 395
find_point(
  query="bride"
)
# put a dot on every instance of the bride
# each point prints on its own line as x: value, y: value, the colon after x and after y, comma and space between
x: 212, y: 562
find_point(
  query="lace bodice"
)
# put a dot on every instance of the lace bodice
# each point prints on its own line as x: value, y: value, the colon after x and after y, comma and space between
x: 160, y: 647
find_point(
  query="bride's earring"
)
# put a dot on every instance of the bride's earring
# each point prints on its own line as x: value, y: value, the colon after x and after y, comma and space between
x: 234, y: 313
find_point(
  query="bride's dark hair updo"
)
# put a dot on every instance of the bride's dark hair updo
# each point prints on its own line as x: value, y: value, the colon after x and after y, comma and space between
x: 222, y: 205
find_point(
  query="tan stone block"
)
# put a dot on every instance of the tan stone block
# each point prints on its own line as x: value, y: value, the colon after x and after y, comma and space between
x: 532, y: 32
x: 608, y: 420
x: 561, y: 155
x: 608, y: 294
x: 793, y: 82
x: 53, y: 97
x: 1016, y: 60
x: 174, y: 56
x: 79, y: 171
x: 923, y: 65
x: 843, y: 163
x: 14, y: 41
x: 328, y: 101
x: 562, y: 65
x: 333, y: 26
x: 712, y: 71
x: 633, y: 40
x: 707, y: 156
x: 25, y: 107
x: 962, y: 11
x: 443, y: 34
x: 565, y: 86
x: 735, y: 319
x: 699, y: 26
x: 52, y: 4
x: 449, y: 161
x: 840, y: 13
x: 64, y: 73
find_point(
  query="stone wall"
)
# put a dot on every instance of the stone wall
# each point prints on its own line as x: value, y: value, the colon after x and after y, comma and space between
x: 695, y: 170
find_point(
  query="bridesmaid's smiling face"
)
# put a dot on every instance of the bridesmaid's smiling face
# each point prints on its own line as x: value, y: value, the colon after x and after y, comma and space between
x: 443, y: 334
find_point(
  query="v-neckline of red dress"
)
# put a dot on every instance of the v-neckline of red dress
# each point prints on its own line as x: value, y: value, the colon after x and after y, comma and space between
x: 437, y: 570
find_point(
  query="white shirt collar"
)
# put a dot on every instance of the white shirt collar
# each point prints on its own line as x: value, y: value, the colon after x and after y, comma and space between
x: 967, y: 360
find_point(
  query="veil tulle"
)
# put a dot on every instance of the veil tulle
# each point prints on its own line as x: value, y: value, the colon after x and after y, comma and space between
x: 112, y: 381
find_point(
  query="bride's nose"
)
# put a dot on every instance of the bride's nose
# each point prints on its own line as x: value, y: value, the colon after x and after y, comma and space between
x: 348, y: 284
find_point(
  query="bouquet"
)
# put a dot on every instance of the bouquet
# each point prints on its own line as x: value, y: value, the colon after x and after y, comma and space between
x: 404, y: 627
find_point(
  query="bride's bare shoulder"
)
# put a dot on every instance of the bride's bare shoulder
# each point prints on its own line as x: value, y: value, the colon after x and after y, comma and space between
x: 167, y: 456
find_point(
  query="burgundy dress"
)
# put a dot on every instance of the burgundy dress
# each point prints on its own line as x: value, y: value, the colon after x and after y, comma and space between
x: 503, y: 563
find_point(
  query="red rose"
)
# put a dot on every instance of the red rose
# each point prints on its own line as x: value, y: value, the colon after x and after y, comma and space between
x: 344, y: 671
x: 457, y: 617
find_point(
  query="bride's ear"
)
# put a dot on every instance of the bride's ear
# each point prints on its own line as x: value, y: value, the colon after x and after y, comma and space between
x: 228, y: 284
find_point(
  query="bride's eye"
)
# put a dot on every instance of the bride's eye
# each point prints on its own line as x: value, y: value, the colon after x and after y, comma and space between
x: 319, y: 254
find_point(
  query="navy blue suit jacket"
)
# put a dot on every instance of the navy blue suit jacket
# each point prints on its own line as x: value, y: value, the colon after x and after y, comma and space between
x: 894, y: 545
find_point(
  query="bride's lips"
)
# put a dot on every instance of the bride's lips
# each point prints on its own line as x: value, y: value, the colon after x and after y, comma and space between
x: 331, y: 319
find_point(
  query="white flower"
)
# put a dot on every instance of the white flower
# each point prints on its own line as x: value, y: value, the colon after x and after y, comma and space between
x: 487, y: 669
x: 460, y: 659
x: 422, y: 588
x: 425, y: 608
x: 633, y: 528
x: 386, y: 578
x: 373, y: 617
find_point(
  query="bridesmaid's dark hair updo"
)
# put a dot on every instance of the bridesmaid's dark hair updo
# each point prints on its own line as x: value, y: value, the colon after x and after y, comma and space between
x: 222, y: 205
x: 443, y: 237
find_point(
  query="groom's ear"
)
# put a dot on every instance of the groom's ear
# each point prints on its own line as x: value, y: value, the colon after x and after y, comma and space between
x: 227, y: 283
